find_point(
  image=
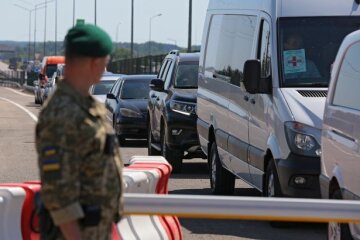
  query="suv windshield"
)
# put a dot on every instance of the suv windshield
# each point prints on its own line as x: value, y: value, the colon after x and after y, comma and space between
x: 187, y: 75
x: 308, y: 47
x: 103, y: 87
x: 135, y: 89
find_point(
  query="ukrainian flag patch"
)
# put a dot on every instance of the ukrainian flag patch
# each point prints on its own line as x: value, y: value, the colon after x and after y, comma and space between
x: 49, y: 151
x: 51, y: 165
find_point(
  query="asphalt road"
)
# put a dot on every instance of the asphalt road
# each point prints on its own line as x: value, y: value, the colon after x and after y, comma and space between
x: 18, y: 163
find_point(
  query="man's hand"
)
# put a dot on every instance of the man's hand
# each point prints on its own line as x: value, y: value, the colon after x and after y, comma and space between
x: 71, y: 230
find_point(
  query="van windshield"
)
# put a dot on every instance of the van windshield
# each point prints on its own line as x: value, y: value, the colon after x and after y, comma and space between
x: 50, y: 69
x: 308, y: 47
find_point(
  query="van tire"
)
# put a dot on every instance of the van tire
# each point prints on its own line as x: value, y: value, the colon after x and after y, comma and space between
x: 336, y: 230
x: 222, y: 182
x: 273, y: 189
x: 173, y: 156
x: 150, y: 139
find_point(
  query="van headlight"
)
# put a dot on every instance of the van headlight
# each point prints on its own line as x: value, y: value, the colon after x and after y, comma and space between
x: 125, y: 112
x: 301, y: 139
x: 183, y: 107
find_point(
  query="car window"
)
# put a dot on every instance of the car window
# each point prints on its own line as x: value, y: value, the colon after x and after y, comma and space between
x: 116, y: 87
x: 229, y: 46
x: 50, y: 69
x: 162, y: 70
x: 169, y: 75
x: 348, y: 82
x: 166, y: 70
x: 103, y: 87
x: 187, y: 75
x: 135, y: 89
x: 265, y: 50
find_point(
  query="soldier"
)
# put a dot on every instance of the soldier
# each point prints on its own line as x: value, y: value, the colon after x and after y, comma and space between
x: 79, y: 159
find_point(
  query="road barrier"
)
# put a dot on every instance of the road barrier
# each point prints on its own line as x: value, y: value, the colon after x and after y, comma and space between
x: 11, y: 201
x: 19, y: 220
x: 148, y: 175
x: 244, y: 208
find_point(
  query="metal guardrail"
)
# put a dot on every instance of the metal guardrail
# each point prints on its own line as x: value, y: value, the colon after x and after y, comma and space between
x: 142, y: 65
x: 243, y: 208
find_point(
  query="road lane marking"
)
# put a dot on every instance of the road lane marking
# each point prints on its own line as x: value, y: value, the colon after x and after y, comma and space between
x: 22, y: 108
x: 20, y: 93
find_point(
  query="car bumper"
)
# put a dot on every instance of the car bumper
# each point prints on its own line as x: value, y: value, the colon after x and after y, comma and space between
x: 132, y: 128
x: 295, y: 167
x: 181, y: 132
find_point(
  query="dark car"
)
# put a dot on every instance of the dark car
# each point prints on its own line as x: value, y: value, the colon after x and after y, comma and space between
x: 127, y: 106
x: 172, y: 104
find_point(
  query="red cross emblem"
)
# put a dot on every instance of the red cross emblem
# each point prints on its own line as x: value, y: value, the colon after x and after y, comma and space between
x: 294, y: 61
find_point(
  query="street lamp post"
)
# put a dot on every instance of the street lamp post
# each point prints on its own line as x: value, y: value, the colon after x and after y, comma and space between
x: 173, y: 40
x: 157, y: 15
x: 117, y: 35
x: 132, y: 29
x: 95, y: 12
x: 55, y: 27
x: 29, y: 11
x: 36, y: 7
x: 73, y: 12
x: 190, y: 25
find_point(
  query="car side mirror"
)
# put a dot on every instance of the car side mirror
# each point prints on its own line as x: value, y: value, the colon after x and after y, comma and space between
x: 110, y: 96
x: 157, y: 85
x: 252, y: 78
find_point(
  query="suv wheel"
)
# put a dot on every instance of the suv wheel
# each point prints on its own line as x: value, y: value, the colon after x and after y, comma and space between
x: 151, y: 150
x: 173, y: 156
x: 338, y: 230
x: 222, y: 182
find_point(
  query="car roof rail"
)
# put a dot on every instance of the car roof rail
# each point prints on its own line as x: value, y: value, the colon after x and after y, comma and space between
x: 175, y: 52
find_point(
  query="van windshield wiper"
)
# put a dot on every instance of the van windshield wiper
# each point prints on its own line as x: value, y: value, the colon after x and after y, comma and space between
x: 316, y: 84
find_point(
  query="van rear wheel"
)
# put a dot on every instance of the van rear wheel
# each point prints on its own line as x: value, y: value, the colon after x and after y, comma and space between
x: 222, y: 181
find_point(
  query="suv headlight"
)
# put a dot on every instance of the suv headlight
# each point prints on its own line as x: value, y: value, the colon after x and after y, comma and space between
x: 129, y: 113
x: 301, y: 139
x: 185, y: 108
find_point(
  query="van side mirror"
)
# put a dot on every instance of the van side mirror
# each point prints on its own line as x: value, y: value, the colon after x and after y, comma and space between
x: 157, y: 85
x: 252, y: 78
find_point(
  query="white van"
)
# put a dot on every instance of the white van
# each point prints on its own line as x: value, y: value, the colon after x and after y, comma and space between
x: 340, y: 158
x: 263, y: 80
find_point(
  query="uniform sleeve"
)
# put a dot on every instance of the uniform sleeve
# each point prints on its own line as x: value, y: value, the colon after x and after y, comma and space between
x: 59, y: 164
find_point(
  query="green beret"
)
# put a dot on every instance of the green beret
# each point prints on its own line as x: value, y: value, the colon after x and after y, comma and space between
x: 87, y: 40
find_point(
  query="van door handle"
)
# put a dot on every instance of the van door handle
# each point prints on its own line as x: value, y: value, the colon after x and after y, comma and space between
x: 253, y: 101
x: 246, y: 98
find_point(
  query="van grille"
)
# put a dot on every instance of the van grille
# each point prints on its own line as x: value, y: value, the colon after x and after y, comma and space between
x: 313, y: 93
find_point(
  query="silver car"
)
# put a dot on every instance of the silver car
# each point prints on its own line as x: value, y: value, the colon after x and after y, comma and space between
x: 340, y: 170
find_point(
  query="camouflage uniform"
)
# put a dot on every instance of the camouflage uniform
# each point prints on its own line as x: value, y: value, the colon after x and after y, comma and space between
x: 79, y: 163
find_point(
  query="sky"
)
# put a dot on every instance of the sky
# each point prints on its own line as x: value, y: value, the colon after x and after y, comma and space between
x: 170, y: 27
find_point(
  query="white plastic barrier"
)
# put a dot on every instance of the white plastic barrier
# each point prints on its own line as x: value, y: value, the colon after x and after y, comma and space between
x: 135, y: 159
x: 140, y: 181
x: 11, y: 202
x: 142, y: 227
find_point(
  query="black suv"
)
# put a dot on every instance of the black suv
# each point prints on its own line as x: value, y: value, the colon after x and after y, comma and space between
x: 171, y: 107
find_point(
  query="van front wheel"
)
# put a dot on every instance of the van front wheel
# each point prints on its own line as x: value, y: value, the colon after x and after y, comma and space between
x: 222, y: 181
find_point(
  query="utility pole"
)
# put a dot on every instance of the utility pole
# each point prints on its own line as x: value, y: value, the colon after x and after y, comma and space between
x: 190, y: 24
x: 132, y: 29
